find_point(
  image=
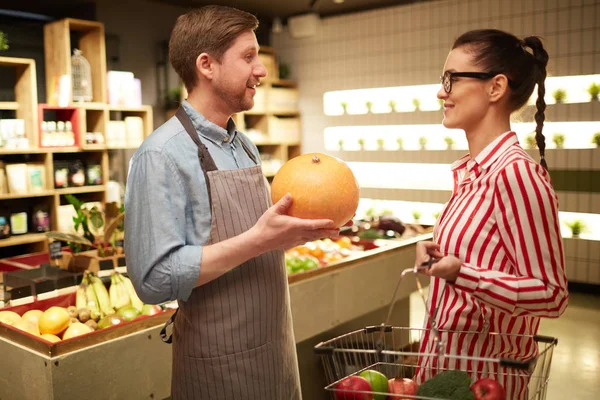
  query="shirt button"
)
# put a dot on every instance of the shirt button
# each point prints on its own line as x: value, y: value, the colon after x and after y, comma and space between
x: 226, y: 140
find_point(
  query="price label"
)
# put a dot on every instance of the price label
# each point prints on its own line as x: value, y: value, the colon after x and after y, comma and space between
x: 55, y: 250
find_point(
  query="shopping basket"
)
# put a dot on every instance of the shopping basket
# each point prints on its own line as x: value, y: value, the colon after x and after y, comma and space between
x: 394, y: 352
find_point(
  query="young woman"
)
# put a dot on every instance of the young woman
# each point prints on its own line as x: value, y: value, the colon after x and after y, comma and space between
x: 501, y: 262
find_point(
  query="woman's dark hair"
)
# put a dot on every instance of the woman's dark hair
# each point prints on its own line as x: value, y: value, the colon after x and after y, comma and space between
x: 500, y: 52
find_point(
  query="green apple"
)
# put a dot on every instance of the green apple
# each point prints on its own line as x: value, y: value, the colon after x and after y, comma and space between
x: 378, y: 381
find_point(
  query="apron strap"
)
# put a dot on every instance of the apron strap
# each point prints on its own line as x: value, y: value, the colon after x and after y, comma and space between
x: 206, y: 161
x: 247, y: 150
x: 163, y: 331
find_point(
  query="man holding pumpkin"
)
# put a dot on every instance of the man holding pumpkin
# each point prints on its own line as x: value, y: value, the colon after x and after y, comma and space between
x: 200, y: 227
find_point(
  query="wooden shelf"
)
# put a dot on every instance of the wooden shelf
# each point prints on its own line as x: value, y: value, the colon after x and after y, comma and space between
x: 82, y: 189
x: 57, y: 43
x: 9, y: 105
x: 122, y: 147
x: 129, y: 109
x: 25, y: 102
x: 45, y: 193
x: 23, y: 151
x: 90, y: 106
x: 23, y: 239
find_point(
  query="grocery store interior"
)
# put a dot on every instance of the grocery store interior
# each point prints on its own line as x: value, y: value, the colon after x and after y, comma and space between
x: 84, y: 82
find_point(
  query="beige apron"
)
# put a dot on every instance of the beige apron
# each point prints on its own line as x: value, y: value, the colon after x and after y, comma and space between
x: 233, y: 338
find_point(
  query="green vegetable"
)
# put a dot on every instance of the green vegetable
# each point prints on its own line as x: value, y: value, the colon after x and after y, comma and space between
x: 451, y: 385
x: 297, y: 264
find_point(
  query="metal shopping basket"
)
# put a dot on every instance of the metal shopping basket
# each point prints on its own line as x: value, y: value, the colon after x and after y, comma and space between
x: 395, y: 352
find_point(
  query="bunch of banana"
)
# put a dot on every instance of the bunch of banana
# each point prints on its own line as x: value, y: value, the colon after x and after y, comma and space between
x: 92, y: 294
x: 122, y: 292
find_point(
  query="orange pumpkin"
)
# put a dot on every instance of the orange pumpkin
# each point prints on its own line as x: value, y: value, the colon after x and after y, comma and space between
x: 322, y: 187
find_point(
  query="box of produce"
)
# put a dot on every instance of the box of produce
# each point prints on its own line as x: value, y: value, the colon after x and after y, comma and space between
x: 91, y: 315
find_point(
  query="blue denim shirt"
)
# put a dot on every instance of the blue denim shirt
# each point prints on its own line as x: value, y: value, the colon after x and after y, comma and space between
x: 168, y: 216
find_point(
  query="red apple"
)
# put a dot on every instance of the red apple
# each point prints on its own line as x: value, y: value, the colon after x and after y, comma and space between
x: 347, y: 389
x: 402, y: 386
x: 488, y: 389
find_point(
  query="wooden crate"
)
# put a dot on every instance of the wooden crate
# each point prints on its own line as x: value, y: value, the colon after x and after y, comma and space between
x: 127, y: 361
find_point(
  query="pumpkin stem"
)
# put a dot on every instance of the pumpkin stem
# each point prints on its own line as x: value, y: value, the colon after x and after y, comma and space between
x: 316, y: 159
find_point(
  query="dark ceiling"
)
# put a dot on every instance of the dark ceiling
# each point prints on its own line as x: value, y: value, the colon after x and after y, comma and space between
x: 269, y: 9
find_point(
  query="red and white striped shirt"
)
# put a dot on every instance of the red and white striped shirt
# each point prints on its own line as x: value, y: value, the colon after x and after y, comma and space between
x: 502, y: 223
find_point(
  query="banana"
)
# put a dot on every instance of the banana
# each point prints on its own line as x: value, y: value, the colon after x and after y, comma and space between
x: 112, y: 291
x: 135, y: 300
x: 81, y: 298
x: 92, y: 303
x: 104, y: 302
x: 121, y: 296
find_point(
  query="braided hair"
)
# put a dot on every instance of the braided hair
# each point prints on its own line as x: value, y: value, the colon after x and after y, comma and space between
x: 503, y: 53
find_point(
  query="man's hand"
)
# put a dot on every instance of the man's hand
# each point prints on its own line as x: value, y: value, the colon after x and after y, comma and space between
x: 277, y: 230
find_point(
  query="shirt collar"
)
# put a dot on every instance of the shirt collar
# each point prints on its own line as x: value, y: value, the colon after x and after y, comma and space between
x: 489, y: 154
x: 208, y: 129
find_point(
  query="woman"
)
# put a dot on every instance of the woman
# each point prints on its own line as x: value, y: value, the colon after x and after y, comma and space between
x: 501, y: 262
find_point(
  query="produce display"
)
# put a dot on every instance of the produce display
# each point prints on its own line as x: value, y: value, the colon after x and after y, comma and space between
x: 322, y: 187
x: 319, y: 253
x: 95, y: 308
x: 451, y: 385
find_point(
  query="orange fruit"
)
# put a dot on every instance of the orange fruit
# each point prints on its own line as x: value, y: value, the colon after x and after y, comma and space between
x: 54, y: 320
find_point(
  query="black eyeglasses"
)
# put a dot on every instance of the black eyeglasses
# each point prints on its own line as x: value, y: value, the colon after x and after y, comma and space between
x: 448, y: 77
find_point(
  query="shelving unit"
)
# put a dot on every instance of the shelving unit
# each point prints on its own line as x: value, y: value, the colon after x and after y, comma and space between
x: 273, y: 124
x: 60, y: 37
x: 25, y: 104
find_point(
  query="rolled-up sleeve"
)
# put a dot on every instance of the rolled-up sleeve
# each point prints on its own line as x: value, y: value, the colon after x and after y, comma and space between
x: 161, y: 265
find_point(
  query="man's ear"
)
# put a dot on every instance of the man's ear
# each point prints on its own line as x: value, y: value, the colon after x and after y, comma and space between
x: 498, y: 87
x: 205, y: 65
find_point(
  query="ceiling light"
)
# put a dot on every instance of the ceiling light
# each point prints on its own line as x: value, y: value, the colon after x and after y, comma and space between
x: 338, y: 1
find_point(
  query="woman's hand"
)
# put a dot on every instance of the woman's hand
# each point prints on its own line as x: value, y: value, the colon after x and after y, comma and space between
x: 446, y: 268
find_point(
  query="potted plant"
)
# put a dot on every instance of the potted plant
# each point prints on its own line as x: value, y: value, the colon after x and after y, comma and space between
x: 530, y: 142
x: 449, y: 142
x: 361, y: 143
x: 576, y: 227
x: 417, y: 103
x: 416, y: 215
x: 369, y: 105
x: 344, y: 105
x: 423, y: 142
x: 559, y: 95
x: 98, y: 239
x: 436, y: 215
x: 441, y: 103
x: 594, y: 91
x: 392, y: 104
x: 3, y: 41
x: 380, y: 143
x: 400, y: 143
x: 596, y: 139
x: 559, y: 140
x: 341, y: 144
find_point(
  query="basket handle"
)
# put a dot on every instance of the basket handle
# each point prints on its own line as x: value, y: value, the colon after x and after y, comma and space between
x: 507, y: 362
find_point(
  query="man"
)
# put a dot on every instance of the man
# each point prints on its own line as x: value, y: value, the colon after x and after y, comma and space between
x: 200, y: 227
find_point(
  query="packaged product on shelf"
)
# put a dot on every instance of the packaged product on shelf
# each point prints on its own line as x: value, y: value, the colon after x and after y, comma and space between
x: 3, y: 184
x: 40, y: 219
x: 18, y: 223
x: 17, y: 178
x: 76, y: 173
x: 61, y: 174
x: 94, y: 174
x: 36, y: 178
x: 4, y: 226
